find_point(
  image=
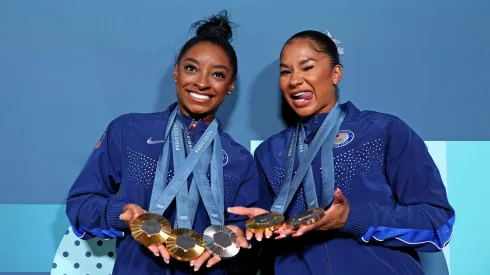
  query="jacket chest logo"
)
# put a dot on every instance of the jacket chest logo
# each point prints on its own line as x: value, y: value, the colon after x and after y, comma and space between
x: 343, y: 138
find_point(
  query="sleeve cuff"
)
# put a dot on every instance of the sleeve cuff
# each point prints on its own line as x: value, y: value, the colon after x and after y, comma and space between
x: 359, y: 220
x: 113, y: 213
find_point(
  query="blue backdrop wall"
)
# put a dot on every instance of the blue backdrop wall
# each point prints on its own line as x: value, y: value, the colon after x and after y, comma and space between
x: 68, y: 68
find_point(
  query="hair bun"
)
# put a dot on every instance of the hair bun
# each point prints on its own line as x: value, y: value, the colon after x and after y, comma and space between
x: 216, y: 25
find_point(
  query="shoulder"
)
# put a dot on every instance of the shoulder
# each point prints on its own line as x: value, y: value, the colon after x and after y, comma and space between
x: 398, y: 135
x: 234, y: 150
x: 381, y: 121
x: 128, y: 120
x: 274, y: 145
x: 395, y: 133
x: 134, y: 125
x: 392, y: 125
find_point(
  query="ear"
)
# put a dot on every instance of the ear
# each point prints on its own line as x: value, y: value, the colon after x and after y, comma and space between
x: 176, y: 68
x: 231, y: 87
x: 337, y: 74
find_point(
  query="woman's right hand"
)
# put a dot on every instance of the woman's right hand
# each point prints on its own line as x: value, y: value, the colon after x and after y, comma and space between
x: 130, y: 212
x: 250, y: 213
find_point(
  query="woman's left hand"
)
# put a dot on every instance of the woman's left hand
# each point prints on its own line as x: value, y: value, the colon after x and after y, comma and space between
x: 214, y: 259
x: 335, y: 218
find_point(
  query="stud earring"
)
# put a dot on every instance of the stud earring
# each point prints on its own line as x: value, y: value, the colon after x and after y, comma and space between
x: 228, y: 93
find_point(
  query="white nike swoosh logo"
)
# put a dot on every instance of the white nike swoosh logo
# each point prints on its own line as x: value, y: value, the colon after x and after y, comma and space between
x: 150, y: 141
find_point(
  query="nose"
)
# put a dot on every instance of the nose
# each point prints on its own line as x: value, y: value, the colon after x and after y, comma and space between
x: 202, y: 82
x: 295, y: 80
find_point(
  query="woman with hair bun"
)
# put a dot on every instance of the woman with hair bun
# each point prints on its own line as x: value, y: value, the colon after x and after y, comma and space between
x: 160, y: 182
x: 348, y: 191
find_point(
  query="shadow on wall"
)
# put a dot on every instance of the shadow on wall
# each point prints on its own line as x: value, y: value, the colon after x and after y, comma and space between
x: 167, y: 96
x: 166, y: 90
x: 271, y: 112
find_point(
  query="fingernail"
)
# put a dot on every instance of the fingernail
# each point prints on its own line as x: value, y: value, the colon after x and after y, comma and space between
x: 228, y: 209
x: 249, y: 246
x: 192, y: 263
x: 196, y: 268
x: 248, y: 239
x: 208, y: 265
x: 120, y: 217
x: 167, y: 261
x: 156, y: 254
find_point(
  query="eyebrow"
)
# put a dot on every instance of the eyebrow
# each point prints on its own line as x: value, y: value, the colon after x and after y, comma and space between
x: 304, y: 61
x: 219, y: 66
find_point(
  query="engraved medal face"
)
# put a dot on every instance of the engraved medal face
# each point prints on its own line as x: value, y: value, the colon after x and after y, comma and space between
x: 221, y: 241
x: 265, y: 222
x: 185, y: 244
x: 150, y: 229
x: 264, y: 219
x: 306, y: 218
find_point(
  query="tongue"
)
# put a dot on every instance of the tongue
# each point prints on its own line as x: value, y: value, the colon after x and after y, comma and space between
x: 306, y: 96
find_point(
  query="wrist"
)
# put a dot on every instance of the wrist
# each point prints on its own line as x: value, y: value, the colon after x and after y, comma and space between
x: 115, y: 209
x: 357, y: 220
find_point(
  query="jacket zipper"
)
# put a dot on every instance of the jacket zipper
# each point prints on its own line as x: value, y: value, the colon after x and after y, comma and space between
x: 192, y: 127
x: 327, y: 260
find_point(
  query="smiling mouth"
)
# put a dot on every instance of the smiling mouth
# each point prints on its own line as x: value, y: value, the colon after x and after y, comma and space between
x: 199, y: 96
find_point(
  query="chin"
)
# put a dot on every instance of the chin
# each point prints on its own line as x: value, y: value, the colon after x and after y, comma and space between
x: 192, y: 107
x: 304, y: 112
x: 198, y: 109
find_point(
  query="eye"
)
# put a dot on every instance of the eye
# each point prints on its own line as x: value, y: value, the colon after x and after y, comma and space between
x: 284, y: 72
x: 190, y: 68
x: 219, y: 74
x: 307, y: 68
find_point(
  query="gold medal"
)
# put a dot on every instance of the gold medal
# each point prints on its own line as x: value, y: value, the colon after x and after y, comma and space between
x: 150, y: 229
x: 265, y: 222
x: 306, y: 218
x: 185, y: 244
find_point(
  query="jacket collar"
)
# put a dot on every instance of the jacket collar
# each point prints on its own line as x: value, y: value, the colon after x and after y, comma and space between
x: 188, y: 121
x: 313, y: 123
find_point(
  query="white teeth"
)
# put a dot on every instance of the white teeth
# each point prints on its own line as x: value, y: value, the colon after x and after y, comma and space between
x: 299, y: 94
x: 300, y: 100
x: 199, y: 96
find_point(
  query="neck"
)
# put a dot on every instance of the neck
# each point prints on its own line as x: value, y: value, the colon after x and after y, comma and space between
x: 327, y: 108
x: 206, y: 117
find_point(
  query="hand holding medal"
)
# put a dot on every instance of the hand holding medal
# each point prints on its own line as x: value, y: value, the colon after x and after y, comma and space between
x: 334, y: 218
x: 261, y: 222
x: 148, y: 229
x: 222, y: 242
